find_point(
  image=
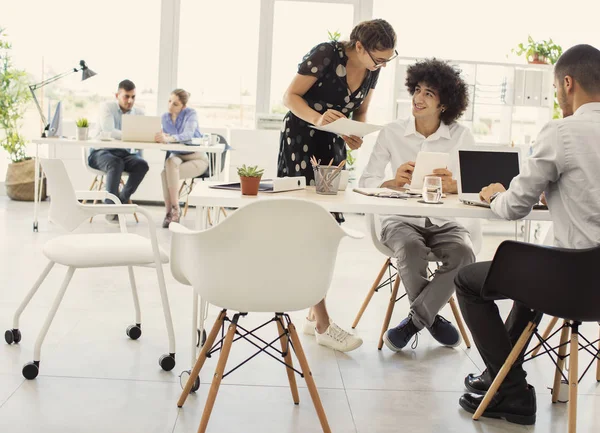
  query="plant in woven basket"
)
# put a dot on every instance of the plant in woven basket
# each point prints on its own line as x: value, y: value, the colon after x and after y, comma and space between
x: 250, y: 179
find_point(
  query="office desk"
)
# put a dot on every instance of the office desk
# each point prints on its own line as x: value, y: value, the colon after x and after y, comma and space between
x: 112, y: 144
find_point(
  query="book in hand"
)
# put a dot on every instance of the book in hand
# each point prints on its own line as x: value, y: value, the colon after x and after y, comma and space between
x: 382, y: 192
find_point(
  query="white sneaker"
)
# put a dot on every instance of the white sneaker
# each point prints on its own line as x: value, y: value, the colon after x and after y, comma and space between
x: 338, y: 339
x: 310, y: 327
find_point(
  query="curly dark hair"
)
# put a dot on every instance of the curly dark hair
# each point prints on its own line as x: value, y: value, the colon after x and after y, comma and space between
x: 446, y: 80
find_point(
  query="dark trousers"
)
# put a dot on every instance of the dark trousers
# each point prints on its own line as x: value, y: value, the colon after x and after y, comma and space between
x: 493, y: 339
x: 114, y: 162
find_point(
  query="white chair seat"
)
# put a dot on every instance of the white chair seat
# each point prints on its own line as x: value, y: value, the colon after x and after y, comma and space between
x: 112, y: 249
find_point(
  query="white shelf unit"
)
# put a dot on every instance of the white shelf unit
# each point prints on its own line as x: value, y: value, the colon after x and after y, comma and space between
x: 508, y: 103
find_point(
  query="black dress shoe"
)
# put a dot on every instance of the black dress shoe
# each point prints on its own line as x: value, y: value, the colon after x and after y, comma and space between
x: 516, y: 407
x: 478, y: 384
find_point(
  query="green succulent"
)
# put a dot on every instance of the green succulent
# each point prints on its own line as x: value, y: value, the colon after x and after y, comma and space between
x: 244, y: 171
x: 82, y: 122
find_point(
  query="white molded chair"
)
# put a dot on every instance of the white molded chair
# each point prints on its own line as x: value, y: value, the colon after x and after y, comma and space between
x: 374, y: 228
x: 93, y: 250
x: 98, y: 181
x: 284, y: 252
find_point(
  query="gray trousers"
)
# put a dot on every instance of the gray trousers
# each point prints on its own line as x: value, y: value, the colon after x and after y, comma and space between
x: 411, y: 244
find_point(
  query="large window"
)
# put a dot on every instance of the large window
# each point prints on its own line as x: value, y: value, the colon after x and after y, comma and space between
x: 218, y: 51
x: 117, y: 39
x: 297, y: 27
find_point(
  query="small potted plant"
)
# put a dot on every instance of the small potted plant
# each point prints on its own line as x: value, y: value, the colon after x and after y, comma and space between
x: 250, y: 179
x: 539, y: 52
x: 82, y: 129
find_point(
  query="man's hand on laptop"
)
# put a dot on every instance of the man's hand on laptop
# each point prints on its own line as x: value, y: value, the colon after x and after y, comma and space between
x: 449, y: 185
x: 488, y: 191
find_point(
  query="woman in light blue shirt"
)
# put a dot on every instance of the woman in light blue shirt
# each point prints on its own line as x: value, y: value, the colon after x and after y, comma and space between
x: 179, y: 125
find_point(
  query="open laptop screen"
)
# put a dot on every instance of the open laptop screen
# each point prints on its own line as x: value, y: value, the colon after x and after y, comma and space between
x: 481, y: 168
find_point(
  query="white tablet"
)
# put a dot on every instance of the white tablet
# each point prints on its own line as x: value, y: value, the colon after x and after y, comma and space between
x: 424, y: 165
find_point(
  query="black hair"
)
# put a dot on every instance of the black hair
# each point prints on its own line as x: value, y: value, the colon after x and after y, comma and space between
x: 582, y: 63
x: 126, y: 85
x: 446, y: 81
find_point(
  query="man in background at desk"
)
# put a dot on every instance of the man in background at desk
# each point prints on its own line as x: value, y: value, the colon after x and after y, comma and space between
x: 564, y: 165
x: 115, y: 161
x: 440, y: 96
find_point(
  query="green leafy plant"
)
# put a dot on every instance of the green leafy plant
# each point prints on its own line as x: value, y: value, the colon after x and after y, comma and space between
x: 244, y: 171
x: 82, y: 122
x: 14, y: 96
x: 335, y: 36
x: 539, y: 51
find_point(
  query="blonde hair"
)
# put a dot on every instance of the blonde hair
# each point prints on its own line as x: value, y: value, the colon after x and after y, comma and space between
x: 183, y: 96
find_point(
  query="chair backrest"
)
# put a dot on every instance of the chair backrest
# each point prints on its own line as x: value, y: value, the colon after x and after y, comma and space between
x: 473, y: 225
x: 556, y: 281
x: 64, y: 207
x: 275, y: 255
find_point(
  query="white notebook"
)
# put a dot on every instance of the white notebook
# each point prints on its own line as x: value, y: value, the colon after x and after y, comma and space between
x: 349, y: 127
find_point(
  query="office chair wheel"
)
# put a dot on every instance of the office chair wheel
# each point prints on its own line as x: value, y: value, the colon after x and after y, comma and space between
x: 31, y: 370
x: 12, y: 336
x: 167, y: 362
x: 183, y: 378
x: 134, y: 331
x: 200, y: 342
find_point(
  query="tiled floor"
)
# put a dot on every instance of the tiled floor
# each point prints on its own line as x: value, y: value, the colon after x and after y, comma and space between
x: 94, y: 379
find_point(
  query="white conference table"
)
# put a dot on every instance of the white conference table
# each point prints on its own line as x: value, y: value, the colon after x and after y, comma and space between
x: 348, y: 201
x: 113, y: 144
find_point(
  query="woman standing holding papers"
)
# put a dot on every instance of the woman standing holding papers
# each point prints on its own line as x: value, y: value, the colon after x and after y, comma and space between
x: 179, y: 124
x: 335, y: 80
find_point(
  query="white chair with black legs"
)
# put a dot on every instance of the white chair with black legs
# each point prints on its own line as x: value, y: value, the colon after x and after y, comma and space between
x: 256, y: 238
x: 93, y: 250
x: 98, y: 181
x: 393, y: 279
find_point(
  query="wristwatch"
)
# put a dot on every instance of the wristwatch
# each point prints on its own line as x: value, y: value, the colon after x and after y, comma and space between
x: 494, y: 195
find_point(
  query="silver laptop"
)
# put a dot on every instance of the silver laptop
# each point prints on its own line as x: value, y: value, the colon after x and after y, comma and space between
x: 480, y: 167
x: 140, y: 128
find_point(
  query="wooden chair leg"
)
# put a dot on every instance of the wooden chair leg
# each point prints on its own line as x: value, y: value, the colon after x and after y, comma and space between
x: 210, y: 340
x: 208, y: 217
x: 545, y: 335
x: 459, y: 322
x: 216, y: 382
x: 510, y: 360
x: 100, y: 184
x: 560, y: 364
x: 371, y: 292
x: 310, y: 381
x: 223, y: 212
x: 286, y: 349
x: 134, y: 214
x: 390, y: 310
x: 573, y: 378
x: 91, y: 187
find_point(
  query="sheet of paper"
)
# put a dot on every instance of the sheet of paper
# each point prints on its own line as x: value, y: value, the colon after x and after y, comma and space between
x: 349, y: 127
x: 424, y: 165
x: 381, y: 192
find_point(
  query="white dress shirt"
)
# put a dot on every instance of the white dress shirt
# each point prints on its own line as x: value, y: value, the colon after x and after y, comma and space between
x: 111, y: 117
x: 565, y: 164
x: 400, y: 142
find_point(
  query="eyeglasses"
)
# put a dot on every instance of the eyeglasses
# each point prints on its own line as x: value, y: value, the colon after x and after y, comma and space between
x: 380, y: 64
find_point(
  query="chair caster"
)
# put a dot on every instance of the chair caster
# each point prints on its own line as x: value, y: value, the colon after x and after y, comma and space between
x: 12, y: 336
x: 200, y: 342
x: 167, y: 362
x: 183, y: 378
x: 31, y: 370
x: 134, y: 331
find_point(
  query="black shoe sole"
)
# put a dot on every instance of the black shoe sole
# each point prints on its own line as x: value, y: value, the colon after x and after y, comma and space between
x: 510, y: 417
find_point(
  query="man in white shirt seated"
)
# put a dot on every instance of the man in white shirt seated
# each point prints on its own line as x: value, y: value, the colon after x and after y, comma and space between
x: 115, y: 161
x: 439, y: 97
x: 564, y: 166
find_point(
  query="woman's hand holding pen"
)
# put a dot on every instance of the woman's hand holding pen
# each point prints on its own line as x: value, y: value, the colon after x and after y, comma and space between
x: 328, y: 117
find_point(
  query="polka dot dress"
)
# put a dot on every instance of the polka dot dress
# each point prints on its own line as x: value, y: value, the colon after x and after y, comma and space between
x: 298, y: 142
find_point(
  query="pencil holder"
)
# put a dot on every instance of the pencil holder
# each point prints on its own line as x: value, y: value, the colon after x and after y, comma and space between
x: 327, y: 179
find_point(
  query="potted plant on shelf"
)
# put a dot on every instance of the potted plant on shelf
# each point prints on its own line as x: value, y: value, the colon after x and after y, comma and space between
x: 539, y: 52
x: 14, y: 96
x: 82, y: 129
x: 250, y: 179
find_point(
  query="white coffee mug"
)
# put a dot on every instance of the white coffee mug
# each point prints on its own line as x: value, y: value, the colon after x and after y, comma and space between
x: 214, y: 140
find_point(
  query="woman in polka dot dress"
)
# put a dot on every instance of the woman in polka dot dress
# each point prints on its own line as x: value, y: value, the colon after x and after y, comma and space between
x: 334, y: 80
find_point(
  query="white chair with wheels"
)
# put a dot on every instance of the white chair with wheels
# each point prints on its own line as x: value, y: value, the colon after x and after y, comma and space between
x: 257, y: 238
x: 93, y: 250
x: 98, y: 181
x: 374, y: 228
